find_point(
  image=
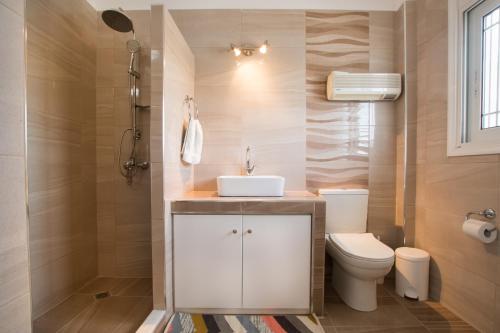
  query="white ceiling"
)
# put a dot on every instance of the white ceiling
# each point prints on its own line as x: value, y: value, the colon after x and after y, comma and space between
x: 251, y: 4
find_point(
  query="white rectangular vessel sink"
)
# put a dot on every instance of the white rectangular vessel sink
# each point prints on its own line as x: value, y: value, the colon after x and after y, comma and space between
x: 250, y: 186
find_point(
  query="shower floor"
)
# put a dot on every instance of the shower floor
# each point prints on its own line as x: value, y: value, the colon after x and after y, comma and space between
x: 103, y: 305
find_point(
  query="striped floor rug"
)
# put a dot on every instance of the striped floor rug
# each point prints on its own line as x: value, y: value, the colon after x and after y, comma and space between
x: 201, y: 323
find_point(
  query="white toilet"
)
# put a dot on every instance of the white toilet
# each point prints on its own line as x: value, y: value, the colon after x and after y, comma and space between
x: 359, y: 259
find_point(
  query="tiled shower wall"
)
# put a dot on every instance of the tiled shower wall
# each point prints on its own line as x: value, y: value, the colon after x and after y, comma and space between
x: 84, y: 220
x: 14, y: 274
x: 123, y: 211
x: 465, y: 274
x: 61, y: 77
x: 276, y: 105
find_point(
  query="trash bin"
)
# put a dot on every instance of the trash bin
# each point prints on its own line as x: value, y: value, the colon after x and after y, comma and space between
x: 412, y: 273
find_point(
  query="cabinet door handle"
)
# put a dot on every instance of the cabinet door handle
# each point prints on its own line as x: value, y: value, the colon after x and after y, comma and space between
x: 235, y: 231
x: 249, y: 231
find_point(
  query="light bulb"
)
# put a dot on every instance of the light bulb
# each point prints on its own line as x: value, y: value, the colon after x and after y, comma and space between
x: 237, y: 51
x: 263, y: 48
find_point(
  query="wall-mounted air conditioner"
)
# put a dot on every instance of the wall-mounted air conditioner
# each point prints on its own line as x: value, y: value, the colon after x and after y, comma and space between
x: 343, y: 86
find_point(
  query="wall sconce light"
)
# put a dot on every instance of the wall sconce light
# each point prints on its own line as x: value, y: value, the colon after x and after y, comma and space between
x: 249, y: 50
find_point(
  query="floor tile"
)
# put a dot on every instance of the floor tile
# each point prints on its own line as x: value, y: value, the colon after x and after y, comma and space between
x: 59, y: 316
x: 123, y: 312
x: 113, y: 314
x: 325, y: 321
x: 416, y: 329
x: 394, y: 315
x: 426, y: 313
x: 102, y: 284
x: 140, y: 287
x: 450, y: 327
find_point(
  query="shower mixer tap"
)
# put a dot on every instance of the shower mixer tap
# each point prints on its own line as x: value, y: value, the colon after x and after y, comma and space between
x: 119, y: 21
x: 137, y: 135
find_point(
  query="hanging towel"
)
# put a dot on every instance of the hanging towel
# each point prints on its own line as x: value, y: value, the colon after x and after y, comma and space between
x: 193, y: 142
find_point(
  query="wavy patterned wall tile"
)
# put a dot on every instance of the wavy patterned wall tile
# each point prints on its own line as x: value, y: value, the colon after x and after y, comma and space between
x: 338, y: 134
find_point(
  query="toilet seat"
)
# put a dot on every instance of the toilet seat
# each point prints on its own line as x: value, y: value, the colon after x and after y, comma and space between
x: 362, y: 248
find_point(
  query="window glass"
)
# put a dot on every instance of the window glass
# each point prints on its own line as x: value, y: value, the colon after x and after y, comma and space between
x: 490, y: 110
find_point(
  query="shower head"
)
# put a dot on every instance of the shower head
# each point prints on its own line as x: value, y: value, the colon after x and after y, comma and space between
x: 133, y: 45
x: 117, y: 20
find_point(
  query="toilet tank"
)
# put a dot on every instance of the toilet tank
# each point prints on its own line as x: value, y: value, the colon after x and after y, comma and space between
x: 346, y: 210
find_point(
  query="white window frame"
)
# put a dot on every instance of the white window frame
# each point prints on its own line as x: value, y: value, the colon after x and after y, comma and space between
x: 456, y: 87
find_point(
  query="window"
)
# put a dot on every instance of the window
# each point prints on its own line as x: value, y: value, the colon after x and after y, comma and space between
x: 474, y: 77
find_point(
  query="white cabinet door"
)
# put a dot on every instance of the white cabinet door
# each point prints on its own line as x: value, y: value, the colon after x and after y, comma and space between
x: 207, y: 261
x: 276, y: 261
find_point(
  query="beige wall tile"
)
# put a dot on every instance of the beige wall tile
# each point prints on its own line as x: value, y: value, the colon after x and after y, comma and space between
x: 382, y: 42
x: 446, y: 183
x: 15, y: 316
x: 15, y: 310
x: 257, y: 102
x: 282, y: 28
x: 169, y: 175
x: 464, y: 272
x: 14, y: 5
x: 218, y: 28
x: 474, y: 304
x: 61, y: 103
x: 11, y: 94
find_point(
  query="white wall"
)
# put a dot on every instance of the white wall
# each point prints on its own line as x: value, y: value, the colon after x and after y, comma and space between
x: 251, y: 4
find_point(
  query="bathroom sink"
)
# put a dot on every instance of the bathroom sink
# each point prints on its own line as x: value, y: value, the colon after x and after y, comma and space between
x: 250, y: 186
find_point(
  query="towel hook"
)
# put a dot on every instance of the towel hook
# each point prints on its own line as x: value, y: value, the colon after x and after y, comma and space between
x: 187, y: 101
x: 195, y: 105
x: 190, y: 100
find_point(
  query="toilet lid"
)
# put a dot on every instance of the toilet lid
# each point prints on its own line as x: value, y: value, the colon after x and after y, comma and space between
x: 362, y: 246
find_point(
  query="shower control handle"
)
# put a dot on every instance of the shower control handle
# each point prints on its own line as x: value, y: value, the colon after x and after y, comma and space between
x: 143, y: 165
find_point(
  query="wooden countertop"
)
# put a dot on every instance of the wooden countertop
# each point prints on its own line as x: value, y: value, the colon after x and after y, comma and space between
x: 211, y: 196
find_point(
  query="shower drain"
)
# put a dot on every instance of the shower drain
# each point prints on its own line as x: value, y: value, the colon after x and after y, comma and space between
x: 102, y: 295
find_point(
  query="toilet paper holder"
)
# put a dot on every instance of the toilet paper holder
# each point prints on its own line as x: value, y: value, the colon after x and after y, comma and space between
x: 488, y: 213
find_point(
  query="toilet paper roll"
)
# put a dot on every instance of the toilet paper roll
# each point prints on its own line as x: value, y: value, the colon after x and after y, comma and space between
x: 483, y: 231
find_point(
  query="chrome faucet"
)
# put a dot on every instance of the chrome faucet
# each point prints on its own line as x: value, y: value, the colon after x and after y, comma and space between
x: 250, y: 167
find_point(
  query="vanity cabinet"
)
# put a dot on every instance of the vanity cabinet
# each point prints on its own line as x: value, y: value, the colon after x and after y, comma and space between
x: 242, y: 262
x: 207, y: 261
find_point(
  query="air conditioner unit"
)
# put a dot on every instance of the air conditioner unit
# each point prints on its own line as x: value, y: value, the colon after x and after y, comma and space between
x: 343, y: 86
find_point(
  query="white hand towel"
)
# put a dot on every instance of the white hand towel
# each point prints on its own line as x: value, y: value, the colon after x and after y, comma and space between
x: 193, y: 142
x: 198, y: 142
